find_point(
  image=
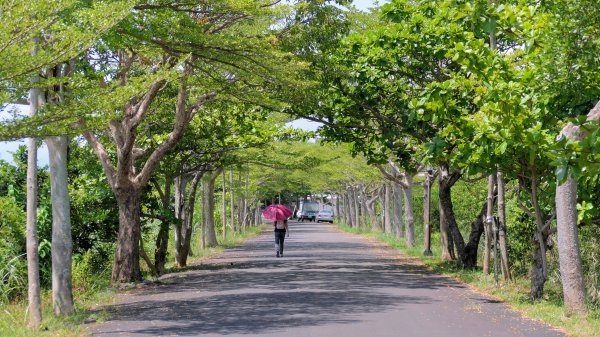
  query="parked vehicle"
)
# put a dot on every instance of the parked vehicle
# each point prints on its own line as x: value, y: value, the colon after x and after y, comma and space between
x: 325, y: 215
x: 308, y: 211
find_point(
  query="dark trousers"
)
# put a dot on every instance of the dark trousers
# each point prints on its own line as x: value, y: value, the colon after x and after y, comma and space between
x: 279, y: 237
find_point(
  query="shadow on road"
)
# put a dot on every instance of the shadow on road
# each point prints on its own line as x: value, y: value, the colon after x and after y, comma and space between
x: 247, y: 290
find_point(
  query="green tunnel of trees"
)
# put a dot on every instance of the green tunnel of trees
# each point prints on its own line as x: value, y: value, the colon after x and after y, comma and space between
x: 167, y: 131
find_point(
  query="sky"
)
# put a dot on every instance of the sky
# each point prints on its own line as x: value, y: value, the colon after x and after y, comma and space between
x: 365, y: 4
x: 310, y: 125
x: 6, y: 148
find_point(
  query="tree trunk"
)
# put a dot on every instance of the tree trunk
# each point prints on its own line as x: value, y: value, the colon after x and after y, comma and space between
x: 382, y: 206
x: 209, y: 217
x: 187, y: 222
x: 568, y: 239
x: 355, y: 208
x: 397, y: 206
x: 487, y: 248
x: 162, y: 246
x: 33, y: 265
x: 450, y: 220
x: 337, y: 208
x: 162, y: 239
x: 502, y: 227
x: 146, y: 259
x: 387, y: 196
x: 203, y: 208
x: 538, y: 272
x: 224, y: 207
x: 232, y: 202
x: 448, y: 180
x: 410, y: 217
x: 246, y: 196
x: 445, y: 243
x: 455, y: 239
x: 351, y: 212
x: 539, y: 268
x: 371, y: 210
x: 180, y: 192
x: 469, y: 258
x: 126, y: 267
x: 346, y: 209
x: 427, y: 214
x: 568, y: 248
x: 356, y: 204
x: 363, y: 206
x: 257, y: 214
x: 240, y: 204
x: 62, y: 244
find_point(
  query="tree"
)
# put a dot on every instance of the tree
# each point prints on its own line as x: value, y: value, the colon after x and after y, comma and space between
x: 233, y: 61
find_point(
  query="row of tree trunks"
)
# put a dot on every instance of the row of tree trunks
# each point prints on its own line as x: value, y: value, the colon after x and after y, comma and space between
x: 405, y: 180
x: 185, y: 196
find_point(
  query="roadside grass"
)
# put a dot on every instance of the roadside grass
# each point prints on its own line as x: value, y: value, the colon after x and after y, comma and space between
x: 13, y: 317
x: 515, y: 293
x: 91, y: 294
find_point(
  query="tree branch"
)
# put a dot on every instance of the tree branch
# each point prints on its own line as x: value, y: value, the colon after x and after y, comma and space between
x: 100, y: 151
x: 182, y: 119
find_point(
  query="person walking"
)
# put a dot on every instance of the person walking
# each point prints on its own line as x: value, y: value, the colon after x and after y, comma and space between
x: 279, y: 214
x: 281, y: 227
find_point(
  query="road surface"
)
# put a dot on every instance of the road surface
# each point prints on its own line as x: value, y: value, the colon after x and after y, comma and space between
x: 327, y: 284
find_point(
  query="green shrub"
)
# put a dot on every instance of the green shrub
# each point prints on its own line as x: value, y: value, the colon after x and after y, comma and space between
x: 590, y: 254
x: 91, y: 269
x: 13, y: 266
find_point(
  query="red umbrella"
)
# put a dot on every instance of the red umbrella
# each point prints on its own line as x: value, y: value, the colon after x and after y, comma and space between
x: 277, y: 212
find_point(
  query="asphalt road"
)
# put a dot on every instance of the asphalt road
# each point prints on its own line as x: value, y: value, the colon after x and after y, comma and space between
x: 327, y: 284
